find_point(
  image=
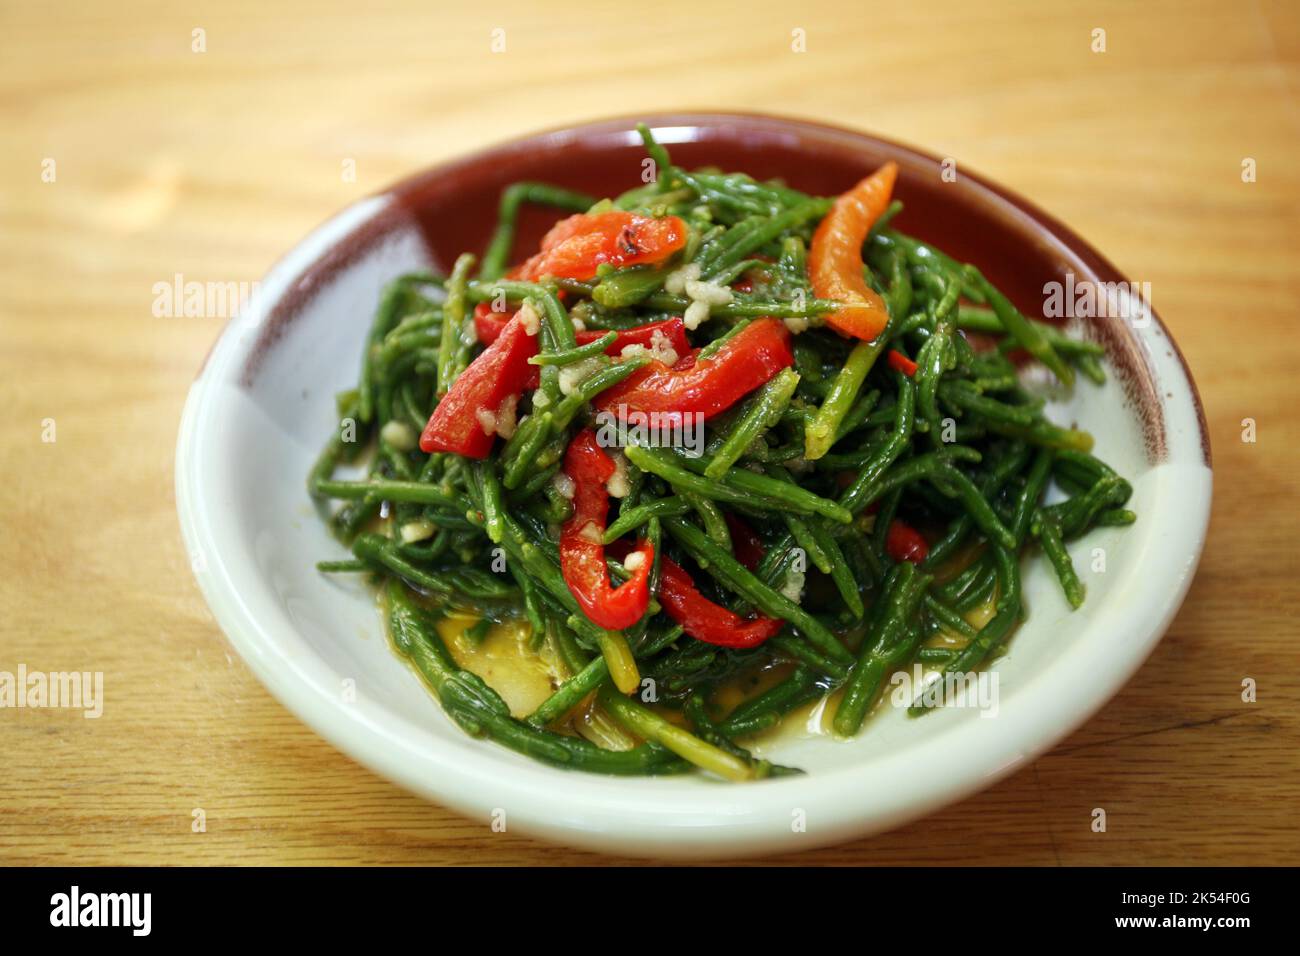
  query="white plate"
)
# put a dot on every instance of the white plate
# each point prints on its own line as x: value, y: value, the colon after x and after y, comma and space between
x: 263, y: 405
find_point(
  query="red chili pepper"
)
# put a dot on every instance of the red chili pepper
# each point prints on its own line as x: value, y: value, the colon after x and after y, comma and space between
x: 576, y: 246
x: 904, y: 543
x: 582, y: 553
x: 707, y: 386
x: 704, y: 620
x: 500, y: 371
x: 745, y: 544
x: 835, y: 257
x: 900, y: 362
x: 488, y: 324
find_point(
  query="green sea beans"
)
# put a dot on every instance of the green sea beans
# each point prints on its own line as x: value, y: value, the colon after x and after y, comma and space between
x: 870, y: 516
x: 761, y: 413
x: 451, y: 347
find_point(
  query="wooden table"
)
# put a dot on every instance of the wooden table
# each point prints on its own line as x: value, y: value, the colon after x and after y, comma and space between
x: 211, y: 164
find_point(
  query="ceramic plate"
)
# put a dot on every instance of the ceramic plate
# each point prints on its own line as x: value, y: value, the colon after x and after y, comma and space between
x: 263, y: 405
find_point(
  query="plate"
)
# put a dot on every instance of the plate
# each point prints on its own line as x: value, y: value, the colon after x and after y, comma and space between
x: 263, y: 405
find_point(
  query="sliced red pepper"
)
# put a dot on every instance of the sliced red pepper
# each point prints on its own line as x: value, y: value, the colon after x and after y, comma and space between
x: 576, y: 246
x: 745, y: 544
x: 835, y: 256
x: 488, y: 326
x: 905, y: 543
x: 707, y: 386
x: 501, y: 370
x: 897, y: 360
x: 704, y: 620
x: 582, y: 552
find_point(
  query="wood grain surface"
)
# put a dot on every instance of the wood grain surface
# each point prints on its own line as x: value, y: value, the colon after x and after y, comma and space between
x: 211, y: 164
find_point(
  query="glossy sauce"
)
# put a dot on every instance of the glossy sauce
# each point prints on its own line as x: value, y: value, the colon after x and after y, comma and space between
x: 503, y: 657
